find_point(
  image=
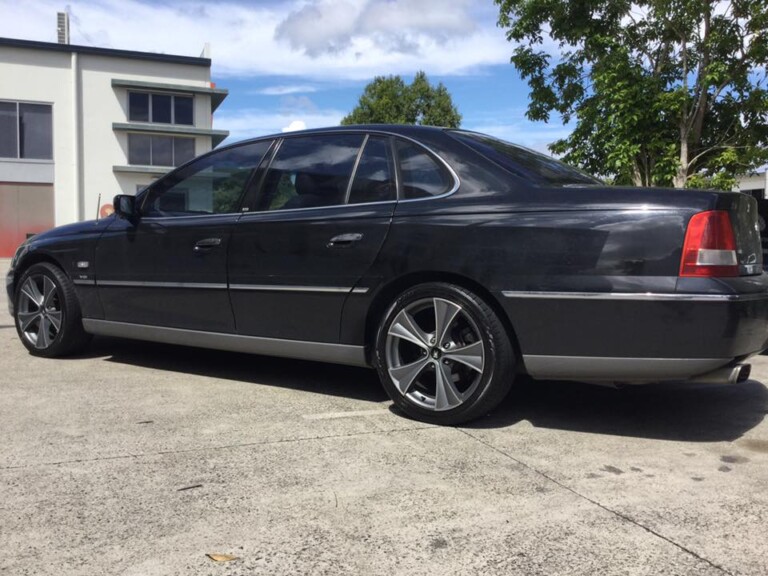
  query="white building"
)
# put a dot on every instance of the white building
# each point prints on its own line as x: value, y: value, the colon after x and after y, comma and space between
x: 80, y: 124
x: 755, y: 184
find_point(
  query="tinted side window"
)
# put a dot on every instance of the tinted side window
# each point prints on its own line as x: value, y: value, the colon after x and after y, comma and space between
x: 310, y: 171
x: 422, y: 175
x: 374, y: 181
x: 211, y: 185
x: 524, y: 162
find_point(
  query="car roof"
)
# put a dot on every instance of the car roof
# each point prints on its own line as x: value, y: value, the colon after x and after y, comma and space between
x: 413, y: 131
x: 393, y: 128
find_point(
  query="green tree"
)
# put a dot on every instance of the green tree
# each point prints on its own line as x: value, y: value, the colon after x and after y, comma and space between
x: 389, y: 100
x: 664, y: 92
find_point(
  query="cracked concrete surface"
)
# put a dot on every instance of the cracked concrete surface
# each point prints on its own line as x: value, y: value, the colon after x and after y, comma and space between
x: 139, y: 459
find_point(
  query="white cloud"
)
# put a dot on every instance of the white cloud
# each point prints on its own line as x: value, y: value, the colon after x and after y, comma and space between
x: 295, y: 125
x: 319, y: 27
x: 285, y: 90
x: 332, y: 26
x: 322, y: 39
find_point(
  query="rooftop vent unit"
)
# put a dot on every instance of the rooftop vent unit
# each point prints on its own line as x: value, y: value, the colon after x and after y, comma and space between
x: 62, y: 27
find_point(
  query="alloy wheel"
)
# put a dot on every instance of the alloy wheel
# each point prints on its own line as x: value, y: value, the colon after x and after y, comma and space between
x: 39, y: 311
x: 435, y: 354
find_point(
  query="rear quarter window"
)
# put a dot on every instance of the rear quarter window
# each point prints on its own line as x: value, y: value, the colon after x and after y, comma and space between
x: 521, y: 161
x: 422, y: 175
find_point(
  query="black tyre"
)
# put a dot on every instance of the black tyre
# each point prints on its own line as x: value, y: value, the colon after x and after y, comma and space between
x: 47, y: 313
x: 443, y: 355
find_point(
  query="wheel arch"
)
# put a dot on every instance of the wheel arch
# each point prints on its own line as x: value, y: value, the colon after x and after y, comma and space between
x: 30, y: 260
x: 387, y: 294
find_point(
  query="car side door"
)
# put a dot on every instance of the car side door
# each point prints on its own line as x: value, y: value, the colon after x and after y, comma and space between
x: 169, y: 266
x: 315, y: 226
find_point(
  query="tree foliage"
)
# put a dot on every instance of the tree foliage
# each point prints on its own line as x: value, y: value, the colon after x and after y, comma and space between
x: 664, y: 92
x: 389, y: 100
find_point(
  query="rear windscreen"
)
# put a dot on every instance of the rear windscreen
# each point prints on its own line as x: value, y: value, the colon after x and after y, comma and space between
x: 523, y: 162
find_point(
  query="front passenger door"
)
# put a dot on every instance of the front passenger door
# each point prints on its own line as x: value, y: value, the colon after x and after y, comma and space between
x: 170, y: 267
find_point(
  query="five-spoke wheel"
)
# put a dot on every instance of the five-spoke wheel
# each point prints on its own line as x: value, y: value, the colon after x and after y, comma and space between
x: 48, y: 317
x: 443, y: 354
x: 39, y: 311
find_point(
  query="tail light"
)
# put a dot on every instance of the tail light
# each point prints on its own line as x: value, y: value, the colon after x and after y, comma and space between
x: 710, y: 246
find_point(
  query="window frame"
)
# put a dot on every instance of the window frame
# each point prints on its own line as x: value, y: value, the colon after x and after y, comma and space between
x: 439, y: 162
x: 173, y: 96
x: 253, y: 188
x: 251, y: 201
x: 254, y: 179
x: 392, y: 163
x: 17, y: 124
x: 436, y: 157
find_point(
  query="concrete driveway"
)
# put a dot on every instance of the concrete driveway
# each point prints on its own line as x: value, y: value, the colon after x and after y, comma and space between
x: 140, y: 459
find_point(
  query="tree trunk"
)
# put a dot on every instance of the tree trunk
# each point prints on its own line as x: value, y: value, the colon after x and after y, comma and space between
x: 682, y: 170
x: 637, y: 175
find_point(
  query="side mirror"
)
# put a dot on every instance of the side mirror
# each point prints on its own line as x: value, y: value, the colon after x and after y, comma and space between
x: 125, y: 206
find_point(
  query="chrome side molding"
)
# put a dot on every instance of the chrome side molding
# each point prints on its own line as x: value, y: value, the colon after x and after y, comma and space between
x: 216, y: 286
x: 631, y: 296
x: 318, y: 351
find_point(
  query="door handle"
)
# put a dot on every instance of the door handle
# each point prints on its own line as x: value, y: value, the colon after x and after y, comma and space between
x: 206, y: 244
x: 344, y: 240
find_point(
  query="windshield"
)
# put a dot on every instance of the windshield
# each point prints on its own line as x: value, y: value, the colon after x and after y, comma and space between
x: 524, y: 162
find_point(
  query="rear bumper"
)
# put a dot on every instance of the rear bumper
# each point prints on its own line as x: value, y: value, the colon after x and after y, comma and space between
x: 636, y: 337
x: 621, y: 370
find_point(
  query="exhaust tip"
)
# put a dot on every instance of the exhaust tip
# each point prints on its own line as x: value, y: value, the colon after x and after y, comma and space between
x: 727, y: 375
x: 744, y: 371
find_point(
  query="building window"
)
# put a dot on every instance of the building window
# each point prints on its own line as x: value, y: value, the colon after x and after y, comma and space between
x: 145, y: 150
x: 26, y: 130
x: 160, y: 108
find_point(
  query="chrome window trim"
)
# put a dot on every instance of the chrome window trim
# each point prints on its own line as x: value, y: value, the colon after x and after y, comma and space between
x: 305, y: 350
x: 177, y: 218
x: 284, y: 210
x: 354, y: 170
x: 456, y: 180
x: 619, y: 296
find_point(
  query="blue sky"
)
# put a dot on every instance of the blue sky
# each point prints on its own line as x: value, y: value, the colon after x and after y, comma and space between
x: 305, y: 62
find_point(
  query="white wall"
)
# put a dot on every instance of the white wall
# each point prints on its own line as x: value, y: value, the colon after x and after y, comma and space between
x: 754, y: 182
x: 46, y: 77
x: 104, y: 104
x: 57, y: 78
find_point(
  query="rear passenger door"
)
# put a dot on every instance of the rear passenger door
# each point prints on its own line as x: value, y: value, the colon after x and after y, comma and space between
x: 316, y: 225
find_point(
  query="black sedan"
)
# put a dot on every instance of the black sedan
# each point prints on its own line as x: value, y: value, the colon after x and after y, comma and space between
x: 448, y: 260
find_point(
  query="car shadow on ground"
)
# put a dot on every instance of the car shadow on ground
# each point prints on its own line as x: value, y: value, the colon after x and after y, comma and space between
x: 671, y: 411
x: 704, y: 413
x: 330, y: 379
